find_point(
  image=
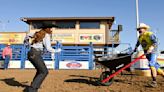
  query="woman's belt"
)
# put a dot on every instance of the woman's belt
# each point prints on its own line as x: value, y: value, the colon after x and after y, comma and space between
x: 37, y: 49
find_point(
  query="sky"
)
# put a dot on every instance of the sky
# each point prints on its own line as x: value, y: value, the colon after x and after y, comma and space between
x: 150, y: 12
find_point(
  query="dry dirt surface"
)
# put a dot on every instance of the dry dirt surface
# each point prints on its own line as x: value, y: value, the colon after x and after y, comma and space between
x: 14, y: 80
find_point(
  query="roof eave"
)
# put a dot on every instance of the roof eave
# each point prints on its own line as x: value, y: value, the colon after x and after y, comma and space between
x: 28, y: 19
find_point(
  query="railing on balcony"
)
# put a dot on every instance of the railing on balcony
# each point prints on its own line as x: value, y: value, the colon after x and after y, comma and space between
x: 113, y: 36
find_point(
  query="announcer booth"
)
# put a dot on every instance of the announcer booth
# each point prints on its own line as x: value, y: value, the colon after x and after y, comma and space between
x: 73, y: 31
x: 75, y: 34
x: 18, y: 49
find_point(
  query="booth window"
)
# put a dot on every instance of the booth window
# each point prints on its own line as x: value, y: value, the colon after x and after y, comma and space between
x: 89, y: 25
x: 66, y: 24
x: 39, y: 24
x: 36, y: 25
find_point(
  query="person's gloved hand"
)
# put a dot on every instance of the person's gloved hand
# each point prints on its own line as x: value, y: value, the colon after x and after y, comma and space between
x: 58, y: 50
x: 52, y: 55
x: 150, y: 49
x: 135, y: 50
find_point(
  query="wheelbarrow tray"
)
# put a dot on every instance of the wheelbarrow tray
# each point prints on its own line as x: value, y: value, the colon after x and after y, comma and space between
x: 115, y: 63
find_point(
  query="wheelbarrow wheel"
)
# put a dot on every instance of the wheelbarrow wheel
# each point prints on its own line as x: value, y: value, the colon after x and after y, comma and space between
x: 105, y: 75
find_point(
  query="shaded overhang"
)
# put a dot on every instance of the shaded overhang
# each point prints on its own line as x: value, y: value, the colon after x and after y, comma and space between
x: 27, y: 20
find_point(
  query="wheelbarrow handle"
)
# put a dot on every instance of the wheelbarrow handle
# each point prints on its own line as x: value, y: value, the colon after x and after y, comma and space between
x: 123, y: 68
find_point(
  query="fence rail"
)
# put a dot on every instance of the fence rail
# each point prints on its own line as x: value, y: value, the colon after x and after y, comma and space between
x: 71, y: 57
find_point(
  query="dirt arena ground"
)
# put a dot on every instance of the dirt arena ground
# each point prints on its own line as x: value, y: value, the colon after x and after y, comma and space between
x: 14, y: 80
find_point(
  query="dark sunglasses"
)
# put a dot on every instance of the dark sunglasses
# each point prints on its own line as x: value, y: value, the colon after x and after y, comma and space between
x: 138, y: 29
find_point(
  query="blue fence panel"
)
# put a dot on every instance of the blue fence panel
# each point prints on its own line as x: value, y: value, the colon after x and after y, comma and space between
x: 79, y: 53
x: 91, y: 56
x: 2, y: 46
x: 46, y: 55
x: 18, y: 53
x: 75, y: 54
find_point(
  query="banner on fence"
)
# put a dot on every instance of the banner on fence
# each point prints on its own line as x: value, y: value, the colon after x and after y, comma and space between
x: 49, y: 64
x: 12, y: 64
x: 73, y: 65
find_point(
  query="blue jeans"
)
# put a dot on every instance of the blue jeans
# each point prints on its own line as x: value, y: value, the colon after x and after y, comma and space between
x: 6, y: 63
x: 36, y: 59
x: 152, y: 58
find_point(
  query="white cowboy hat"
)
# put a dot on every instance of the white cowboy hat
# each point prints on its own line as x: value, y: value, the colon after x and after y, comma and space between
x: 143, y: 25
x: 8, y: 44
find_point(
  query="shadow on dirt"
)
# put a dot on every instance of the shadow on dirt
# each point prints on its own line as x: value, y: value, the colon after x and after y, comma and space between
x: 84, y: 79
x: 94, y: 80
x: 13, y: 82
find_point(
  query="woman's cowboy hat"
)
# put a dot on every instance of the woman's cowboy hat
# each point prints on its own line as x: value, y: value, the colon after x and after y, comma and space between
x: 143, y: 25
x: 48, y: 25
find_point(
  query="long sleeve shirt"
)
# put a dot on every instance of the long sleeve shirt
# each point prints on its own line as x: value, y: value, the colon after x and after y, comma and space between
x: 7, y: 51
x: 45, y: 43
x: 27, y: 39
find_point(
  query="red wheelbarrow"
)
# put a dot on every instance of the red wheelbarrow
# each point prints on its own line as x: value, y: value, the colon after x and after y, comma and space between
x: 114, y: 66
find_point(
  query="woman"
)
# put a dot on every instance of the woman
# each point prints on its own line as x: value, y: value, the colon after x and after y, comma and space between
x: 40, y: 41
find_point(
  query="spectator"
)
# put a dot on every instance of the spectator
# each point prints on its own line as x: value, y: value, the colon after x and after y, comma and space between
x: 7, y: 55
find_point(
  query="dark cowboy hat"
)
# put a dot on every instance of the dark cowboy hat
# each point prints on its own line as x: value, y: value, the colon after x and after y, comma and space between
x: 162, y: 52
x: 48, y: 25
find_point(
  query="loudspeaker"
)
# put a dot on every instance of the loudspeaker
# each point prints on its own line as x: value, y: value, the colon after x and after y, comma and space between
x: 119, y: 27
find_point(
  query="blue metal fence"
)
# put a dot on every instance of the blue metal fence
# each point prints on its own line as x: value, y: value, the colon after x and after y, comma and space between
x: 18, y: 53
x: 68, y: 54
x: 75, y: 53
x: 72, y: 54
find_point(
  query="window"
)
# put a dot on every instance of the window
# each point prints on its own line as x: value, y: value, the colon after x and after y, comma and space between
x: 66, y: 24
x: 36, y: 25
x: 39, y: 24
x: 89, y: 24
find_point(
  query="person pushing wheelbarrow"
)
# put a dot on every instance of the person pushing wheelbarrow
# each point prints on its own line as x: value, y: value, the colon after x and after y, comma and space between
x: 149, y: 44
